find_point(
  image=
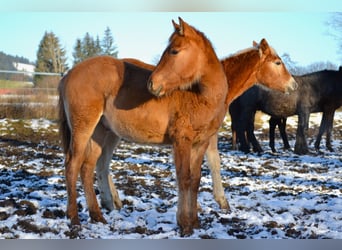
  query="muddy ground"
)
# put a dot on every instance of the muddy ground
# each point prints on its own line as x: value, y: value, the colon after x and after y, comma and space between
x: 279, y: 195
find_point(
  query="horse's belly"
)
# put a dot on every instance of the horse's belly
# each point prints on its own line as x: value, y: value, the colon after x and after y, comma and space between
x: 140, y: 127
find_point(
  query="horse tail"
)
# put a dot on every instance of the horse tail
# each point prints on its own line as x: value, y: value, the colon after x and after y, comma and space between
x: 64, y: 130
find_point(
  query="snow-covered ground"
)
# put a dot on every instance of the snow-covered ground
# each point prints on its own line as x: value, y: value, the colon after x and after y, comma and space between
x: 279, y: 195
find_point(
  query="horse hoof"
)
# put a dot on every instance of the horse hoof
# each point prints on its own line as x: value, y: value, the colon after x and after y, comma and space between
x: 75, y: 221
x: 186, y: 231
x: 98, y: 218
x: 226, y: 210
x: 102, y: 220
x: 224, y: 206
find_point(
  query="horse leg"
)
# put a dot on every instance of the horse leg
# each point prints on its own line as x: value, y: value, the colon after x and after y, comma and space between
x: 213, y: 159
x: 330, y: 121
x: 322, y: 128
x: 234, y: 142
x: 283, y: 134
x: 109, y: 195
x: 182, y: 151
x: 326, y: 125
x: 74, y: 160
x: 244, y: 146
x: 197, y: 155
x: 272, y: 125
x: 301, y: 146
x: 251, y: 136
x: 87, y: 176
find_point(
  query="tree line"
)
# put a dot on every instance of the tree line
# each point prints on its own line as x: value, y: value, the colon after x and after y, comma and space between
x: 51, y: 56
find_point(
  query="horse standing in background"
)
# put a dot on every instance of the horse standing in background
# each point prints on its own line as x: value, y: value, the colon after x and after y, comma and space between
x: 319, y: 91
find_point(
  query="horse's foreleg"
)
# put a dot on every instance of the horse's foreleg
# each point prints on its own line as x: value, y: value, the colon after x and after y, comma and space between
x: 283, y: 134
x: 197, y: 154
x: 87, y: 175
x: 213, y: 159
x: 109, y: 195
x: 182, y: 154
x: 272, y: 125
x: 301, y: 146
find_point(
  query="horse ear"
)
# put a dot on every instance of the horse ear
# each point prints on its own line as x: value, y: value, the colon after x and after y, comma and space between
x: 255, y: 44
x: 179, y: 27
x: 175, y: 25
x: 264, y: 47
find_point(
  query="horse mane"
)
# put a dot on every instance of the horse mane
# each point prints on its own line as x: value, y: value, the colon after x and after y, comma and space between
x: 236, y: 58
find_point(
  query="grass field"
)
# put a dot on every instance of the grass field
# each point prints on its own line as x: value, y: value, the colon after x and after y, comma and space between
x: 7, y: 84
x: 21, y: 100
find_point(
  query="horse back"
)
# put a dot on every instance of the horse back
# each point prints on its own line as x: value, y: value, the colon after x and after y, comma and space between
x: 94, y: 77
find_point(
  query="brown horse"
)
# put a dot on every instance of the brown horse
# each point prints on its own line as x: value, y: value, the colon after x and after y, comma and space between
x: 105, y: 93
x: 103, y: 99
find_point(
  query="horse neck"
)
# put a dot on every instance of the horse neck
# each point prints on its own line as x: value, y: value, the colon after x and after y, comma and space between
x: 241, y: 72
x: 213, y: 83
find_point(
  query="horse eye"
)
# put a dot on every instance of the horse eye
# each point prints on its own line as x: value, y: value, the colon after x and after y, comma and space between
x: 174, y: 51
x: 278, y: 63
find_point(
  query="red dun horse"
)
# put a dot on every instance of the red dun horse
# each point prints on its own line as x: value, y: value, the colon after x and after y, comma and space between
x: 104, y: 99
x: 104, y: 93
x: 259, y: 64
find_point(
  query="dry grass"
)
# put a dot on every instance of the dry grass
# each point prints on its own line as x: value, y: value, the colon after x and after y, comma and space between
x: 29, y: 103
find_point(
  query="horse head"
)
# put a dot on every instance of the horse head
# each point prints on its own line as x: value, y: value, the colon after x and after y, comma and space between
x: 181, y: 62
x: 272, y: 67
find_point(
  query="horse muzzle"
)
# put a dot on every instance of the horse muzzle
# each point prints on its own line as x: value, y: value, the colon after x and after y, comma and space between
x: 292, y: 86
x: 157, y: 91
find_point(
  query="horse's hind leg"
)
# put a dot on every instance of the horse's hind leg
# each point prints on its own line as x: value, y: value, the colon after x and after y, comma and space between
x: 213, y: 159
x: 74, y: 160
x: 109, y: 195
x: 326, y: 125
x: 87, y: 176
x: 83, y: 127
x: 330, y: 121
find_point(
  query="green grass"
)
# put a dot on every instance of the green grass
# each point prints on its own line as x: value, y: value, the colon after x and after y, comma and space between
x: 7, y: 84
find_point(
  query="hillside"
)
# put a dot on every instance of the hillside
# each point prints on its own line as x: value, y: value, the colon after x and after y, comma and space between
x: 8, y: 62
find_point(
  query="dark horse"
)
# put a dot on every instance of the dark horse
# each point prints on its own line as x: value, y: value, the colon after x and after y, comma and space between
x: 317, y: 92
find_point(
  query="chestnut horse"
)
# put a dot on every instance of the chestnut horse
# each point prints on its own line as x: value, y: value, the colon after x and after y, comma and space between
x: 106, y: 93
x: 104, y: 99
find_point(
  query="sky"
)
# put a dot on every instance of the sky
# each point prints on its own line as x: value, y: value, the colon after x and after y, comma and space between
x: 304, y: 34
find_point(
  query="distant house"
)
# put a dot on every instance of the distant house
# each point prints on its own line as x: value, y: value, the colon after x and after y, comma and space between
x: 29, y: 68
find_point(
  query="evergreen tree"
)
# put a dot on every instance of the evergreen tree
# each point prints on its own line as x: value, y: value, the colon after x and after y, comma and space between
x: 78, y: 52
x: 51, y: 57
x: 108, y: 46
x: 88, y: 47
x: 97, y: 46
